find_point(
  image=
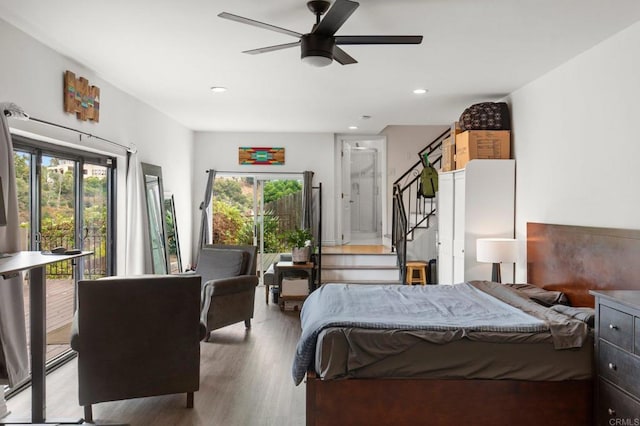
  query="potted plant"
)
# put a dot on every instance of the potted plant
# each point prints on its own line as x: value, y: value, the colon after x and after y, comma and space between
x: 300, y: 242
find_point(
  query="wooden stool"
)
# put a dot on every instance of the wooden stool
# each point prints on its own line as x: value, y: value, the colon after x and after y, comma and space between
x: 421, y: 268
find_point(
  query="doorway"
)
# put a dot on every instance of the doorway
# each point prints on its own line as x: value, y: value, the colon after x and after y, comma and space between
x: 363, y: 165
x: 256, y: 209
x: 65, y: 199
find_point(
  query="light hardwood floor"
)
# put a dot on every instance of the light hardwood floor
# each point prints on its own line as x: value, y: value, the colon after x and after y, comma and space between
x: 245, y: 380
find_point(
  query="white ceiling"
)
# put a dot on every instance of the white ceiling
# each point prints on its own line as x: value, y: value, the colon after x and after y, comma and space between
x: 168, y: 53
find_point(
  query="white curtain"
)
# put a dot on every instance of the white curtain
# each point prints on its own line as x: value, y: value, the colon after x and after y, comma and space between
x: 206, y: 214
x: 137, y: 245
x: 14, y: 365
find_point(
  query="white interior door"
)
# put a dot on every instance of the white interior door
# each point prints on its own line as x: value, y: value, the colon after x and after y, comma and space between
x: 445, y: 228
x: 459, y: 227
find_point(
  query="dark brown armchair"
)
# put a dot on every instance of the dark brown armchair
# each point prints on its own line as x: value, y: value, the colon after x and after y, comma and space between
x: 228, y: 284
x: 137, y: 337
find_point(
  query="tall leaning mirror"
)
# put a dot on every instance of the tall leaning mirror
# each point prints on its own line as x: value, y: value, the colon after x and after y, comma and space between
x: 154, y: 196
x: 173, y: 242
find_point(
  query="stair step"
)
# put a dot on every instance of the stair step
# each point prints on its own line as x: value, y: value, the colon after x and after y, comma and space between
x: 361, y: 267
x: 360, y: 274
x: 377, y: 259
x: 366, y: 282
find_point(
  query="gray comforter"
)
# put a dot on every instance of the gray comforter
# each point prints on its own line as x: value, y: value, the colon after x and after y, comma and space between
x: 477, y: 306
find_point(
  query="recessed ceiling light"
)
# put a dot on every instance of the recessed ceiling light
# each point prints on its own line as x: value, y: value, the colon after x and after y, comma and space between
x: 420, y: 91
x: 218, y: 89
x: 353, y: 127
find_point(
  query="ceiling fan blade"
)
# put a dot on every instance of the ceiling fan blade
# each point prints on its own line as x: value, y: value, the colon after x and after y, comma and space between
x: 272, y: 48
x: 258, y: 24
x: 342, y: 57
x: 385, y: 39
x: 335, y: 17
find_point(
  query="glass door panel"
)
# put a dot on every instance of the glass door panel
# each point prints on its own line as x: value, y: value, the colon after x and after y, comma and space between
x: 281, y: 210
x: 94, y: 220
x: 22, y: 163
x: 57, y: 201
x: 233, y: 210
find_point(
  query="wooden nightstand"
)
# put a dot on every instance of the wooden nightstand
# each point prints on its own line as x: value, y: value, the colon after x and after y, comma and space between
x: 617, y: 356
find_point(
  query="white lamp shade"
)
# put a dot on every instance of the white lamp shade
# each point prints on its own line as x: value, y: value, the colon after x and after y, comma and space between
x: 497, y: 250
x: 317, y: 61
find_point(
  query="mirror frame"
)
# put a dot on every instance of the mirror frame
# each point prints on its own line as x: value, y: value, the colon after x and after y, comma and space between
x: 170, y: 209
x: 156, y: 171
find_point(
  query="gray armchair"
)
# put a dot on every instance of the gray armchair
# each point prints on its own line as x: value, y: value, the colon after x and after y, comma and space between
x: 137, y: 337
x: 228, y: 284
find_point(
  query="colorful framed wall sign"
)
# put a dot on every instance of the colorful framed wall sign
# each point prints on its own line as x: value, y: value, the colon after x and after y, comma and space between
x: 260, y: 156
x: 81, y: 98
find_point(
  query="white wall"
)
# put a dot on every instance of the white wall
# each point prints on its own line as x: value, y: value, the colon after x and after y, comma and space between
x: 31, y: 75
x: 575, y: 137
x: 303, y: 151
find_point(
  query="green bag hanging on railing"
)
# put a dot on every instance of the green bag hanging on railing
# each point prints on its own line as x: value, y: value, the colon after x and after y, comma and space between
x: 428, y: 179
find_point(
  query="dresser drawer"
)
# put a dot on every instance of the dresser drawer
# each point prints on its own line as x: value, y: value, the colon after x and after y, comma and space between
x: 615, y: 404
x: 616, y: 327
x: 619, y: 367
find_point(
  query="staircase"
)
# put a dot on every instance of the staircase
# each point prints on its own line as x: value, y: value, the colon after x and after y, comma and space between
x: 411, y: 211
x: 360, y: 268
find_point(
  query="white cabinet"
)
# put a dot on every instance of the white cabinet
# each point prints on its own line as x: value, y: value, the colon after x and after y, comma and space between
x: 475, y: 202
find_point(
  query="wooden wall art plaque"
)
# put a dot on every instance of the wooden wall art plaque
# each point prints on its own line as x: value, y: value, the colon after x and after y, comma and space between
x: 260, y: 156
x: 81, y: 98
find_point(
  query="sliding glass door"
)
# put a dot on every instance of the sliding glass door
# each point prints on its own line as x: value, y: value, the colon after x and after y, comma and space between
x: 65, y: 200
x: 256, y: 209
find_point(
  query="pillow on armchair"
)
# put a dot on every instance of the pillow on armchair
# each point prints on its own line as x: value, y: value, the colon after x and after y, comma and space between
x: 216, y: 263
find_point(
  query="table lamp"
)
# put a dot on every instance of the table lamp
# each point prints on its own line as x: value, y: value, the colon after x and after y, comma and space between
x: 496, y: 251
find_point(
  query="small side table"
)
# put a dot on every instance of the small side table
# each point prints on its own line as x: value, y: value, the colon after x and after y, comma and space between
x: 284, y: 266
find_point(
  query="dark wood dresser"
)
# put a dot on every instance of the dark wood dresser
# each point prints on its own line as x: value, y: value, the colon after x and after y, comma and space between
x: 617, y: 355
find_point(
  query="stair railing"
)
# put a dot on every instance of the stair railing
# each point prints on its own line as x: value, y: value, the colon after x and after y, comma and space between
x: 406, y: 192
x: 400, y: 231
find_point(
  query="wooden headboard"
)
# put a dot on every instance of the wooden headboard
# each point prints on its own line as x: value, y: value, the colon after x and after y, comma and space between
x: 576, y: 259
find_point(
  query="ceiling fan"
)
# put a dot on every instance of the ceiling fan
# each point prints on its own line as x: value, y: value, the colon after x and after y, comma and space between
x: 320, y: 46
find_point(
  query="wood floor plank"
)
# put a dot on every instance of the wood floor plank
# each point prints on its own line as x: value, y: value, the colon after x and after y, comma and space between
x: 245, y: 379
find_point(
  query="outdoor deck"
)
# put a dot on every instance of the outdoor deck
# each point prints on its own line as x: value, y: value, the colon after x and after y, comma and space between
x: 60, y: 301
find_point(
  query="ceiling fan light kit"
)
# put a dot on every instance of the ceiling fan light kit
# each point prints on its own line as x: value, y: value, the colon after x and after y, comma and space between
x: 317, y: 61
x: 321, y: 46
x: 316, y: 50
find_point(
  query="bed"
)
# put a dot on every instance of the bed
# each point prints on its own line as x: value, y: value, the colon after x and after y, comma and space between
x: 566, y: 260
